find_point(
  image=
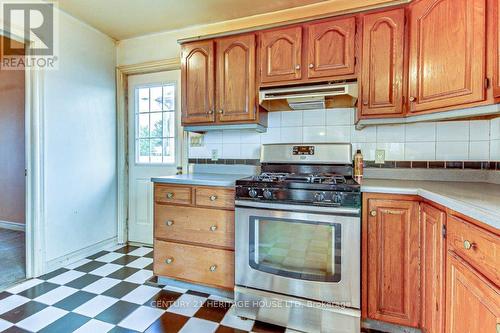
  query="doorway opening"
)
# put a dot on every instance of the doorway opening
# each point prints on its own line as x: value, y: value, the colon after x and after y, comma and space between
x: 12, y: 172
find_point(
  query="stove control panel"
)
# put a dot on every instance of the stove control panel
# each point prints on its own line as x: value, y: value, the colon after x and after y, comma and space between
x: 303, y: 150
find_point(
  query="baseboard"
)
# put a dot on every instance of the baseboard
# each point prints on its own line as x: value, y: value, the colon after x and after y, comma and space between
x: 73, y: 257
x: 13, y: 226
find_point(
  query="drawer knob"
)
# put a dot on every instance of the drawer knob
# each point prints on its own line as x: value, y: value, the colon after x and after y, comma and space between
x: 213, y: 268
x: 169, y: 222
x: 373, y: 213
x: 168, y: 261
x: 213, y: 197
x: 213, y: 228
x: 170, y: 195
x: 297, y: 67
x: 468, y: 245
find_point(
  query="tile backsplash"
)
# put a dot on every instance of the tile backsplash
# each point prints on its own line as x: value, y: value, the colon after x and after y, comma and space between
x: 476, y: 140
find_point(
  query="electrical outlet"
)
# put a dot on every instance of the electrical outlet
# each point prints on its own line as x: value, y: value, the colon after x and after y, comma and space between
x: 380, y: 156
x: 196, y: 140
x: 215, y: 154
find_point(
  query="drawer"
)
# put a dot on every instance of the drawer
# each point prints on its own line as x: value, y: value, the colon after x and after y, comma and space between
x: 198, y: 225
x: 194, y: 264
x: 215, y: 197
x: 478, y: 247
x: 172, y: 194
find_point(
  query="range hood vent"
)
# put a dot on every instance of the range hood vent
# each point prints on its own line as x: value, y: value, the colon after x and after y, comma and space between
x: 309, y: 97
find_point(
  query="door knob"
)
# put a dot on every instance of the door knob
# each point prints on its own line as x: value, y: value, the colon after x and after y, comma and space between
x: 373, y: 213
x: 169, y: 223
x: 213, y: 197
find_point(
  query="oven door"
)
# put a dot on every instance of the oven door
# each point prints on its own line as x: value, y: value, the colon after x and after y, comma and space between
x: 304, y: 251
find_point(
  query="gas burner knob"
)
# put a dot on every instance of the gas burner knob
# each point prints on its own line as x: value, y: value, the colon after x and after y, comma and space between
x: 252, y: 192
x: 267, y: 194
x: 319, y: 196
x: 337, y: 198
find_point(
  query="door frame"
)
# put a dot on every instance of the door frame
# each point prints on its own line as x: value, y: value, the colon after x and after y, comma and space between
x: 34, y: 158
x: 122, y: 74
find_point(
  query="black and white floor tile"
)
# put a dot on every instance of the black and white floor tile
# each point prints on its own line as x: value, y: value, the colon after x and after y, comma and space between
x: 110, y: 292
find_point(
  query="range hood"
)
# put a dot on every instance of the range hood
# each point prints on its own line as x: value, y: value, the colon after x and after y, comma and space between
x: 309, y: 97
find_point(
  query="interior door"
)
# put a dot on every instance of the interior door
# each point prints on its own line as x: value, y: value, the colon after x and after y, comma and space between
x: 155, y: 144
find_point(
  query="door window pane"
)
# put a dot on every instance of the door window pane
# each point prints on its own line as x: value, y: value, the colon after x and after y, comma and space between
x: 155, y: 124
x: 305, y: 250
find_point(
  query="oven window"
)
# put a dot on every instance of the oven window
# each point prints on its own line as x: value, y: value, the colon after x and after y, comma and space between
x: 305, y: 250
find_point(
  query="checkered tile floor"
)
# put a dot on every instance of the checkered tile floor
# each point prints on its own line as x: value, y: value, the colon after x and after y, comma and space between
x: 107, y: 292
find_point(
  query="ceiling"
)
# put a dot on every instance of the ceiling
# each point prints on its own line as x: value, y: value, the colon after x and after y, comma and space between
x: 121, y: 19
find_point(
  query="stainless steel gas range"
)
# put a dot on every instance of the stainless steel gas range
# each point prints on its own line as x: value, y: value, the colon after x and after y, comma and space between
x: 298, y: 239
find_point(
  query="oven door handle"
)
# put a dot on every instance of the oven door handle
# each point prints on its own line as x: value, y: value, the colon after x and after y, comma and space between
x: 300, y: 208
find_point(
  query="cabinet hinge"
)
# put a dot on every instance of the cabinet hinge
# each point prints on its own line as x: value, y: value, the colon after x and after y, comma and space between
x: 443, y: 231
x: 486, y: 83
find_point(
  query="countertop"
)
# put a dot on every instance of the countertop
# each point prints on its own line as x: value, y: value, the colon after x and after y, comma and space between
x: 480, y: 201
x: 207, y: 179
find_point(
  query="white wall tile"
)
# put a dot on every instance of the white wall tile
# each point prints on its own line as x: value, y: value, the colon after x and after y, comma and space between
x: 338, y: 134
x: 250, y: 150
x: 335, y: 117
x: 479, y: 130
x: 367, y: 134
x: 213, y: 137
x: 231, y: 136
x: 394, y: 133
x: 479, y: 150
x: 314, y: 134
x: 272, y: 135
x: 250, y: 136
x: 420, y: 151
x: 291, y: 135
x: 291, y: 118
x: 314, y: 118
x: 367, y: 149
x: 231, y: 150
x: 495, y: 129
x: 198, y: 152
x: 495, y: 150
x: 452, y: 151
x: 420, y: 132
x: 274, y: 119
x: 393, y: 151
x: 453, y: 131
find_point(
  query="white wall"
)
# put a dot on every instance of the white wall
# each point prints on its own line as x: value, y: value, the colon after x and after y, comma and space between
x: 80, y: 145
x: 477, y: 140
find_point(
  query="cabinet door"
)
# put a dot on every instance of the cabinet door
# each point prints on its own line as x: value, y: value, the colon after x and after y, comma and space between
x: 432, y: 257
x: 447, y: 53
x: 198, y: 82
x: 382, y: 65
x: 472, y: 302
x: 236, y: 78
x: 331, y: 48
x: 496, y: 48
x: 280, y: 55
x: 393, y: 262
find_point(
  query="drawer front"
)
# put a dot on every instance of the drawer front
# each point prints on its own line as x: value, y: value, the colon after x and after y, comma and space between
x: 478, y: 247
x: 215, y: 197
x: 178, y: 195
x: 194, y: 264
x: 198, y: 225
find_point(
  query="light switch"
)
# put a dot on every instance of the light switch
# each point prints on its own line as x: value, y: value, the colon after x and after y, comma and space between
x: 379, y: 156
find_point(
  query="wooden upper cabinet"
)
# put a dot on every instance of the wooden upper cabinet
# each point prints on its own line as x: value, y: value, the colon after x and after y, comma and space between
x: 281, y: 55
x: 392, y: 254
x: 447, y: 53
x: 472, y: 302
x: 496, y: 48
x: 330, y: 48
x: 432, y: 256
x: 198, y: 82
x: 236, y: 78
x: 382, y: 64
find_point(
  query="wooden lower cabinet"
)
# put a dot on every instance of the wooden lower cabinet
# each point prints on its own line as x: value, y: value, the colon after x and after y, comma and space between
x: 194, y: 234
x: 391, y: 260
x: 473, y: 303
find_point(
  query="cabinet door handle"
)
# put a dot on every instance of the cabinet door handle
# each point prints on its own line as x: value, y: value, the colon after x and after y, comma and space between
x: 468, y: 245
x: 168, y: 261
x: 412, y: 99
x: 373, y: 213
x: 213, y: 268
x: 213, y: 228
x: 311, y: 66
x: 210, y: 112
x: 297, y: 67
x: 213, y: 197
x: 221, y: 111
x: 170, y: 222
x: 170, y: 195
x: 365, y: 102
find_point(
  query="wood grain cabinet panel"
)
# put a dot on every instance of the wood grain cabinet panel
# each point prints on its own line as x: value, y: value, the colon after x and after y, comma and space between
x: 447, y: 53
x: 236, y: 79
x: 496, y: 47
x: 281, y: 55
x: 473, y: 303
x: 382, y: 63
x: 392, y: 252
x: 432, y: 256
x: 331, y: 47
x: 215, y: 197
x: 198, y: 82
x: 173, y: 194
